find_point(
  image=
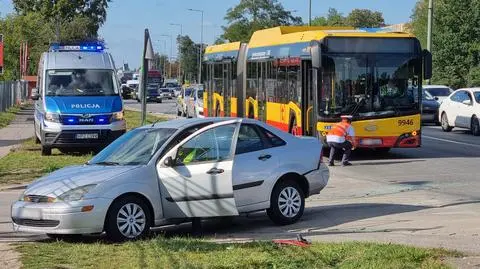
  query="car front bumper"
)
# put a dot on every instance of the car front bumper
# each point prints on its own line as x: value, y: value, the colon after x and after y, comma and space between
x: 60, y: 218
x: 318, y: 179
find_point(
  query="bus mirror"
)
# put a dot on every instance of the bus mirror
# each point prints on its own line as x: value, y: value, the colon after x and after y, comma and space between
x: 427, y: 64
x: 316, y: 53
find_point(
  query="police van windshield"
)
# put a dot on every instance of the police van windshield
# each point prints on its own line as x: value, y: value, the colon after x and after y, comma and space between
x: 80, y: 82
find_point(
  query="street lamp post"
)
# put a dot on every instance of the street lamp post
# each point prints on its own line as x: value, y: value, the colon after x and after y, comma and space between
x: 310, y: 13
x: 171, y: 54
x: 201, y: 47
x: 179, y: 73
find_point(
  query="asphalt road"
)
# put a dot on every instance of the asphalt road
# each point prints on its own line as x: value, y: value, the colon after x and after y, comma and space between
x: 428, y: 196
x: 168, y: 107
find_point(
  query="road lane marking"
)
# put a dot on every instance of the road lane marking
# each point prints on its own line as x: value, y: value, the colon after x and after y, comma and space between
x: 450, y: 141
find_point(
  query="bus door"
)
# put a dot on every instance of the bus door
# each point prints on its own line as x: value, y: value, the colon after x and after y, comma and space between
x: 227, y: 88
x: 308, y: 124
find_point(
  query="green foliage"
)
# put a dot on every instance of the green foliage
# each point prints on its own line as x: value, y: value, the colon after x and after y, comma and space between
x: 365, y: 18
x: 333, y: 18
x: 65, y: 11
x: 189, y: 56
x: 16, y: 29
x: 252, y: 15
x: 8, y: 116
x: 456, y: 35
x: 474, y: 77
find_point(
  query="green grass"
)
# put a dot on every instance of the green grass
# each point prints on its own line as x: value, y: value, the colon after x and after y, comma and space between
x: 8, y: 116
x: 25, y: 163
x: 193, y: 253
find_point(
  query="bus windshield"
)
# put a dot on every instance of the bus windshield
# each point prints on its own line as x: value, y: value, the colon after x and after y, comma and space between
x: 369, y: 86
x: 81, y: 82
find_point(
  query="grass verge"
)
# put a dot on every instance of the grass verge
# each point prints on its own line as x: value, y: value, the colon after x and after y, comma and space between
x: 193, y: 253
x: 25, y: 163
x: 8, y: 116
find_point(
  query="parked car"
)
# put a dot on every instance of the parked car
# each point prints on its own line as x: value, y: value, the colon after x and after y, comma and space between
x: 429, y: 109
x: 173, y: 171
x: 461, y: 109
x: 195, y: 103
x: 182, y: 101
x: 439, y: 92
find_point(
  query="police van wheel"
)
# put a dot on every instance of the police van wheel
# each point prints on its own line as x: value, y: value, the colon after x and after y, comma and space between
x: 286, y: 203
x: 46, y: 151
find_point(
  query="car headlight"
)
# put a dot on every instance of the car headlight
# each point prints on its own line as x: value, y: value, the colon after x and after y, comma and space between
x: 76, y: 194
x: 52, y: 117
x: 117, y: 115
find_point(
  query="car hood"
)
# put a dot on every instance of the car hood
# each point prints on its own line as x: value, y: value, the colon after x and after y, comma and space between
x: 83, y: 105
x: 73, y: 177
x: 430, y: 103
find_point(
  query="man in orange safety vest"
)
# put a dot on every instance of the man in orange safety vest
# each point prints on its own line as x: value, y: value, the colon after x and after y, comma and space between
x: 338, y: 138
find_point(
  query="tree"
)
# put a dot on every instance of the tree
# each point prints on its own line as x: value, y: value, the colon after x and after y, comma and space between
x: 92, y: 13
x: 17, y: 29
x: 189, y: 56
x: 456, y: 35
x: 365, y: 18
x: 333, y: 18
x: 252, y: 15
x: 357, y: 18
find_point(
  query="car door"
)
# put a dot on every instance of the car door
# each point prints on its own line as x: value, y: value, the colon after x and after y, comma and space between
x: 452, y: 108
x: 255, y: 165
x: 196, y: 175
x: 463, y: 110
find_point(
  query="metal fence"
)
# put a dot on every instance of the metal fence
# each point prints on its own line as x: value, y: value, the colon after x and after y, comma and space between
x: 12, y: 93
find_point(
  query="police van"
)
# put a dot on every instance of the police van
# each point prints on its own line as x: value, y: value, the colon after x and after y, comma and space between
x: 78, y: 100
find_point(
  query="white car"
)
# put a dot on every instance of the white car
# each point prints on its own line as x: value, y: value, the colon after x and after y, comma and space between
x: 195, y: 103
x: 173, y: 172
x: 439, y: 92
x: 461, y: 109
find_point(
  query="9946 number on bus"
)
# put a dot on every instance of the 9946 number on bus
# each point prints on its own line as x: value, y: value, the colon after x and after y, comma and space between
x: 405, y: 122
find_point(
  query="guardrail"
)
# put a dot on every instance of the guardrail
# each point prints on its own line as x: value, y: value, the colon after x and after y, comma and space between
x: 12, y: 93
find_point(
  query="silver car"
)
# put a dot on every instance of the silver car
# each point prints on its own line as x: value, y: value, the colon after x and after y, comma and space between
x: 172, y: 172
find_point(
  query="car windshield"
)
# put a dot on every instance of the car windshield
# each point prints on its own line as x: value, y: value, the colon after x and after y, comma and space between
x: 477, y: 96
x: 134, y: 148
x: 81, y: 82
x: 439, y: 91
x: 427, y: 96
x: 369, y: 86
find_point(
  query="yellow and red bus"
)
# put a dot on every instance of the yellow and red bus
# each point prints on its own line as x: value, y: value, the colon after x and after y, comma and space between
x: 302, y: 79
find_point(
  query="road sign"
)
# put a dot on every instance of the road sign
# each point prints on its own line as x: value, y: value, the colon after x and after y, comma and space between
x: 1, y: 54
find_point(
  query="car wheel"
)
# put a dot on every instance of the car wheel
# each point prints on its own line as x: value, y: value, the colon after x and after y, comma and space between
x: 475, y: 126
x: 287, y: 203
x: 65, y: 237
x: 127, y: 219
x: 445, y: 126
x: 46, y: 151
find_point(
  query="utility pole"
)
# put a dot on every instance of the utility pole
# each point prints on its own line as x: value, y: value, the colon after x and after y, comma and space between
x: 170, y: 56
x: 201, y: 48
x: 429, y: 31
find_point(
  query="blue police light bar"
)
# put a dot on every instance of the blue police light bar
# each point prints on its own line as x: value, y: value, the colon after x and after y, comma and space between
x: 85, y: 47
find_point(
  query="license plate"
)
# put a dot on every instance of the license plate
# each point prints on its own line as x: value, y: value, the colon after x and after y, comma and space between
x: 371, y: 142
x: 87, y: 136
x: 30, y: 213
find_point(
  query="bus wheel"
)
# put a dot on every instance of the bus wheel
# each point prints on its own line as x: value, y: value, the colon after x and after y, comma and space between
x: 293, y: 126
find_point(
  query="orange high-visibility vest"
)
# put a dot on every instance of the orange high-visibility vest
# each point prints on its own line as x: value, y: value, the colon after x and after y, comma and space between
x: 340, y: 129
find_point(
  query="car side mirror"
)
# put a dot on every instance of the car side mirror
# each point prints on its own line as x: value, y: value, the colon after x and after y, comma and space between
x: 35, y: 94
x: 168, y: 162
x: 427, y: 64
x: 467, y: 102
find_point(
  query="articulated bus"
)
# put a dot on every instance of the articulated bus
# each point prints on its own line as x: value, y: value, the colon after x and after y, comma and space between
x: 302, y: 79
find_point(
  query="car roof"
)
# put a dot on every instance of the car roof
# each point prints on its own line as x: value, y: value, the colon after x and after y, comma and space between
x: 185, y: 123
x: 434, y: 86
x: 474, y: 89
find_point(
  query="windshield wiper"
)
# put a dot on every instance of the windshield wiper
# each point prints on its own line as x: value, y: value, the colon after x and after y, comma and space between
x: 107, y: 163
